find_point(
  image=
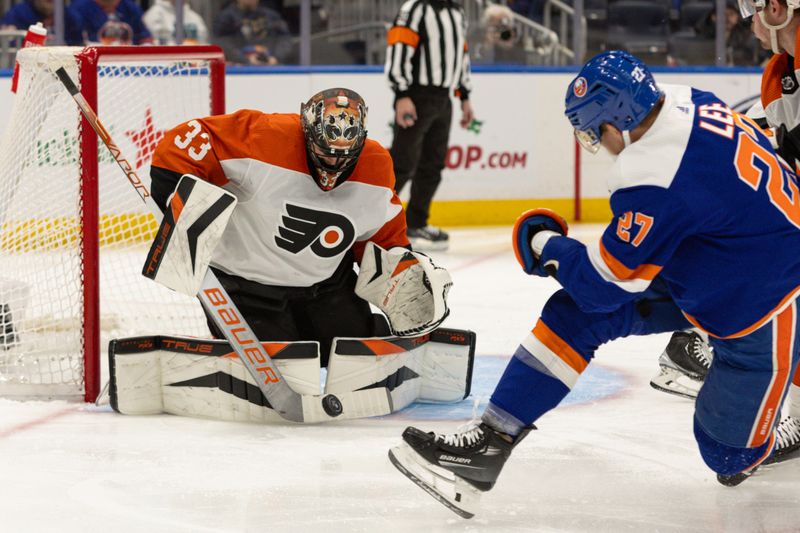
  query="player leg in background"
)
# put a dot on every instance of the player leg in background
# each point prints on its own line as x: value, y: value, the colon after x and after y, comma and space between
x: 738, y: 406
x: 683, y: 364
x: 455, y: 468
x: 434, y: 112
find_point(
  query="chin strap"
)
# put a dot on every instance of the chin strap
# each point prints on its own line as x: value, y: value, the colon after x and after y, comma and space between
x: 773, y: 30
x: 626, y: 138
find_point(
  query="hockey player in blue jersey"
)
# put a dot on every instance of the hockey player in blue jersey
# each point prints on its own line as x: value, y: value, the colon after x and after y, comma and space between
x: 705, y: 231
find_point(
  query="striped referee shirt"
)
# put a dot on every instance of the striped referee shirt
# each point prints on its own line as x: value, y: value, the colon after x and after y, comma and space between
x: 427, y: 45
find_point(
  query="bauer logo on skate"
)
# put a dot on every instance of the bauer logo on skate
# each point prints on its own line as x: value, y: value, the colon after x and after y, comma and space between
x: 326, y: 234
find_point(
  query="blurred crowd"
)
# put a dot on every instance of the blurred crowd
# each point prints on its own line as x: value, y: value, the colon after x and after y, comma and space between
x: 265, y: 32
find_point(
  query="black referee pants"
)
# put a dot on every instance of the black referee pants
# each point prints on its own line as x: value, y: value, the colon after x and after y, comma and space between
x: 419, y: 152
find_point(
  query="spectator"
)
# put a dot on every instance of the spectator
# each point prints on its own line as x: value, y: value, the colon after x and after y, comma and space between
x: 532, y: 9
x: 252, y: 34
x: 30, y: 12
x: 160, y: 21
x: 496, y: 39
x: 111, y: 21
x: 742, y: 47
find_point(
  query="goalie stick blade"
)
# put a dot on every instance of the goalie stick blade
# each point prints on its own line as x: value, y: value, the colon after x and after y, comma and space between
x: 673, y: 382
x: 444, y: 486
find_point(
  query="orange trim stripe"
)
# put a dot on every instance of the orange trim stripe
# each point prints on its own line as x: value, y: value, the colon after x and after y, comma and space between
x: 403, y: 35
x: 796, y: 378
x: 379, y: 347
x: 763, y: 320
x: 771, y: 79
x: 623, y: 273
x: 559, y: 346
x: 782, y: 358
x: 272, y: 349
x: 403, y: 265
x: 176, y: 205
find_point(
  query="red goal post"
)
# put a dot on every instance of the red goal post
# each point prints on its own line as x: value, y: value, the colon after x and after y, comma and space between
x: 73, y: 233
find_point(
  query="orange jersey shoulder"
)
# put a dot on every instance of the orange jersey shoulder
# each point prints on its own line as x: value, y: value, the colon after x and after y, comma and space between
x: 771, y: 88
x: 200, y: 145
x: 374, y: 166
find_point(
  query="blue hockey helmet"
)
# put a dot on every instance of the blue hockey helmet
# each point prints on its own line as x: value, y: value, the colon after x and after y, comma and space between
x: 614, y: 88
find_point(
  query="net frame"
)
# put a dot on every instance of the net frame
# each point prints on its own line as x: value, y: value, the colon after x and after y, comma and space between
x: 89, y: 61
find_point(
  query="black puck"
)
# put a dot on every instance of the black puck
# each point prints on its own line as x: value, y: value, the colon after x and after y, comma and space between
x: 332, y: 405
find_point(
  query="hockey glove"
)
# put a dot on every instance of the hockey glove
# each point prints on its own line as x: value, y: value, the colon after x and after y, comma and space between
x: 407, y: 286
x: 531, y: 231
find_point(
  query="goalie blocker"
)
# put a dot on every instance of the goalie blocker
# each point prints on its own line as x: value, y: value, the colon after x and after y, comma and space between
x: 205, y: 378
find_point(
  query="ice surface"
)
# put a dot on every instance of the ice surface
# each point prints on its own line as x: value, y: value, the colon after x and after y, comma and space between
x: 616, y: 457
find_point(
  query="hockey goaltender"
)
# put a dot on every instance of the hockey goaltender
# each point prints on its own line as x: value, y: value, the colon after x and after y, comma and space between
x: 280, y: 207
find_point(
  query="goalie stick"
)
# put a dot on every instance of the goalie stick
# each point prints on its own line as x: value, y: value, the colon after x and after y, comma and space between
x: 215, y: 299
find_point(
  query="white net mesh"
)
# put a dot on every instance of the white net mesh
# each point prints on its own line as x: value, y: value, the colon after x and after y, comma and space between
x: 41, y: 272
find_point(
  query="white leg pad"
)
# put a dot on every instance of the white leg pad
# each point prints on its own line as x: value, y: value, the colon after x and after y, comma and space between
x: 192, y: 377
x: 436, y: 367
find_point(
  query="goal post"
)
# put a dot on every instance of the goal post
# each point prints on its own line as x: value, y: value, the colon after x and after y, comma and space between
x: 73, y: 233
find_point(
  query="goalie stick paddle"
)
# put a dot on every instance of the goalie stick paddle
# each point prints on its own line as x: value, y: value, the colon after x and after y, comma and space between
x: 286, y: 402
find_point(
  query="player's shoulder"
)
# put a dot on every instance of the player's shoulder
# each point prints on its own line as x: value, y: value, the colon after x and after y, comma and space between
x: 655, y: 158
x: 251, y: 122
x: 374, y: 166
x: 772, y: 79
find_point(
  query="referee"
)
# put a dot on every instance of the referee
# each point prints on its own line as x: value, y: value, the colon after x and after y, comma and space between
x: 426, y: 58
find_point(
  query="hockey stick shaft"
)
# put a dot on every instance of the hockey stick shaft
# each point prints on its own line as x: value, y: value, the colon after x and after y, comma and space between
x: 215, y: 299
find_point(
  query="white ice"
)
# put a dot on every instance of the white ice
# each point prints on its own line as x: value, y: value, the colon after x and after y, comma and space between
x: 619, y: 456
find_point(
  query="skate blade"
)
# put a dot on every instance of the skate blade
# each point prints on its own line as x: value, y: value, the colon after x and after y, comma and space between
x: 674, y: 382
x: 444, y: 486
x: 735, y: 479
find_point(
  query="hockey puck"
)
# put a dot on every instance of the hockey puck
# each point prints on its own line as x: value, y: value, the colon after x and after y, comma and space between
x: 332, y: 405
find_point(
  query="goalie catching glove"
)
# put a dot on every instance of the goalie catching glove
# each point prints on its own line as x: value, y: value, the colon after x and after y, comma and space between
x: 531, y: 232
x: 407, y: 286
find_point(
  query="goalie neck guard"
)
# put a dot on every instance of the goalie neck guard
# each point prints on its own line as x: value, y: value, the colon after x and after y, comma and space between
x: 334, y: 126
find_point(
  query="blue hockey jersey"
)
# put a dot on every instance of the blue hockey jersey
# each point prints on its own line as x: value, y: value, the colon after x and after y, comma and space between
x: 702, y: 201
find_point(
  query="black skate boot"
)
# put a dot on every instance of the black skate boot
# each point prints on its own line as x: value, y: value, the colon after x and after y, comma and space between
x: 735, y: 479
x: 428, y: 239
x: 684, y: 364
x: 455, y: 468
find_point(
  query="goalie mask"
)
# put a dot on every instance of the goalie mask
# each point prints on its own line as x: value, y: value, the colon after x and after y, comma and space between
x: 334, y: 126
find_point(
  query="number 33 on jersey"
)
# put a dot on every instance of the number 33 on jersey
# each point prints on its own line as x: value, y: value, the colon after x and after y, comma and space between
x: 185, y: 142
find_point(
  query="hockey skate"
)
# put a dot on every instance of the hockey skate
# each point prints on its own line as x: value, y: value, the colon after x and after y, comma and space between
x: 787, y: 446
x: 787, y: 441
x: 684, y: 364
x: 455, y: 469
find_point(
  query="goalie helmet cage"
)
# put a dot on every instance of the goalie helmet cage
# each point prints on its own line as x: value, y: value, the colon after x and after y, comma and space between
x: 73, y: 232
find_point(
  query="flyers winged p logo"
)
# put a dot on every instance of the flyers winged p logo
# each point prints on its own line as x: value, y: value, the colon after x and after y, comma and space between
x: 327, y: 234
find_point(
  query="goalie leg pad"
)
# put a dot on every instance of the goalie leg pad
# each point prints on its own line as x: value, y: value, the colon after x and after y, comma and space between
x: 431, y: 368
x: 191, y: 377
x: 193, y: 223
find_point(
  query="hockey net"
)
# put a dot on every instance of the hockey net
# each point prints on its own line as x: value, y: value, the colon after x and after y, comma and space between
x: 73, y: 232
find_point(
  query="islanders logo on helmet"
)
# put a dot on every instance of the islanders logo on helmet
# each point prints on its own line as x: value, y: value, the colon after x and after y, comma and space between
x: 616, y: 88
x: 579, y: 87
